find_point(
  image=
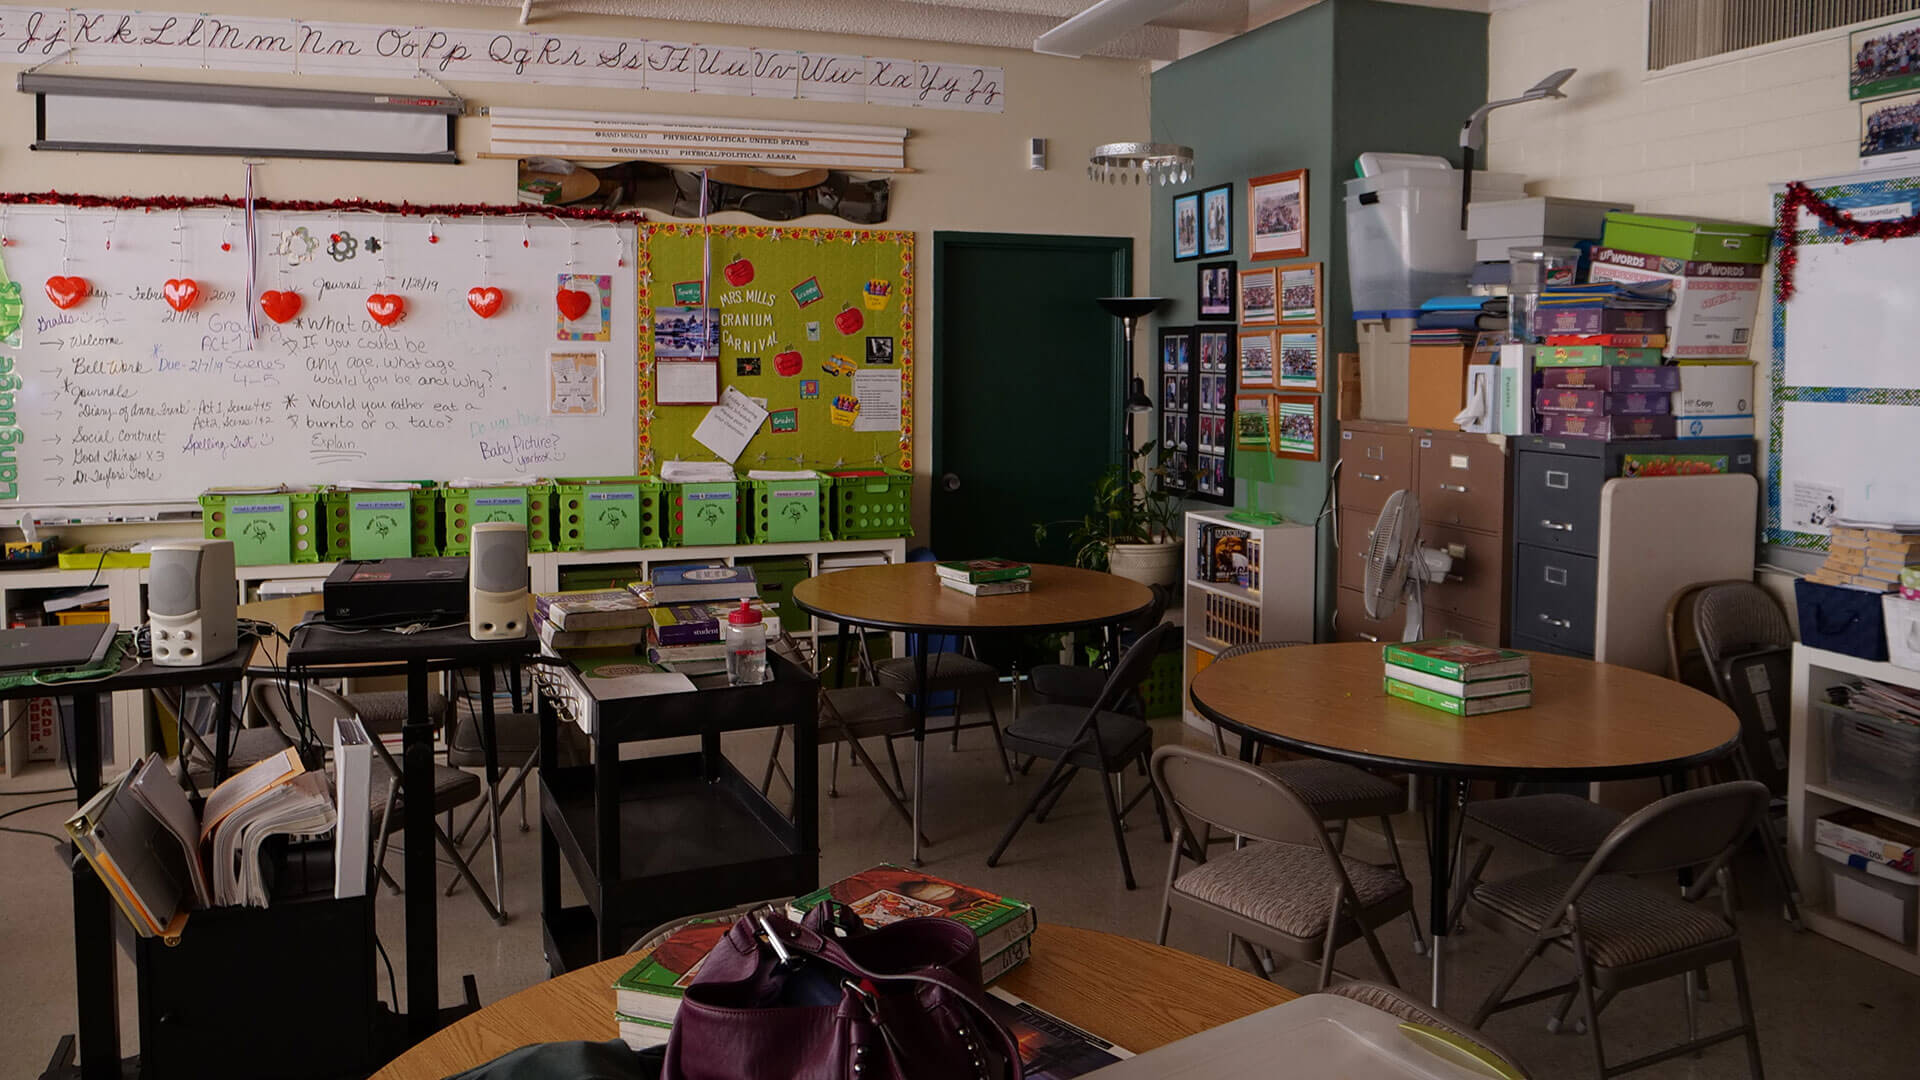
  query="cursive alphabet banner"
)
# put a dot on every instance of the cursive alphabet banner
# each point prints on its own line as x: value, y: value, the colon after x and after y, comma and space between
x: 96, y: 37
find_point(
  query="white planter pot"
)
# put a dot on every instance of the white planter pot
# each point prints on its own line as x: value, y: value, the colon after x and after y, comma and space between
x: 1148, y: 564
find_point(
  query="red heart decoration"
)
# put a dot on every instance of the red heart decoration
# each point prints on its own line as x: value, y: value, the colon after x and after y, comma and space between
x: 280, y: 305
x: 386, y: 308
x: 573, y: 303
x: 180, y: 293
x: 67, y: 291
x: 485, y: 300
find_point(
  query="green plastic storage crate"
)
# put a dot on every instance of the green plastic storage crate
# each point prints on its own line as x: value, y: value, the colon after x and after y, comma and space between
x: 776, y: 577
x: 872, y: 504
x: 379, y: 524
x: 600, y: 576
x: 269, y: 529
x: 703, y: 515
x: 1161, y: 688
x: 462, y: 508
x: 785, y: 511
x: 607, y: 513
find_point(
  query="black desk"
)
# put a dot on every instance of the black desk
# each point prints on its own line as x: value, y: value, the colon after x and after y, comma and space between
x: 96, y: 981
x: 315, y: 646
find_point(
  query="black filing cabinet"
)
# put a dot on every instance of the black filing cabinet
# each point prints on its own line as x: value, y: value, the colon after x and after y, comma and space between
x: 1556, y: 524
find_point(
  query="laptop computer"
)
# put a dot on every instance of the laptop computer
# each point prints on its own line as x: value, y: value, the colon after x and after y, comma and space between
x: 51, y: 648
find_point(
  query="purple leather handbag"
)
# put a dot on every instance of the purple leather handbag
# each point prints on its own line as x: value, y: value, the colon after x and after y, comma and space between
x: 778, y: 1000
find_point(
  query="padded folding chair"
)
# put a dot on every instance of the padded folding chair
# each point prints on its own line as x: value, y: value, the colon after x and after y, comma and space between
x: 956, y: 673
x: 1073, y: 684
x: 1559, y: 827
x: 1289, y: 891
x: 1093, y: 738
x: 1396, y: 1002
x: 1620, y: 931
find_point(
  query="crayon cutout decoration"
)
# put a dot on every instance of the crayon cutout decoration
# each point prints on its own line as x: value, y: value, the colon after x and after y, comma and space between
x: 280, y: 304
x: 844, y: 410
x: 876, y: 294
x: 180, y: 293
x: 485, y: 300
x: 386, y: 308
x: 65, y: 290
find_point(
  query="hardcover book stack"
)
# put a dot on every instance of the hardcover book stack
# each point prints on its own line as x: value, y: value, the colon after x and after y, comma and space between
x: 1228, y: 556
x: 1869, y: 556
x: 686, y: 637
x: 590, y: 619
x: 985, y: 577
x: 1458, y: 677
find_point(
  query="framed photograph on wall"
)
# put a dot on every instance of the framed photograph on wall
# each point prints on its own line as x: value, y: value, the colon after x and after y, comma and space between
x: 1880, y: 59
x: 1259, y: 297
x: 1277, y: 216
x: 1216, y: 217
x: 1216, y: 290
x: 1300, y: 300
x: 1251, y: 422
x: 1186, y: 226
x: 1295, y: 422
x: 1216, y: 349
x: 1299, y: 359
x: 1256, y: 357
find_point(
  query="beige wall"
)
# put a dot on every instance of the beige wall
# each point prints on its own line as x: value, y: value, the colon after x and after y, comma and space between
x: 971, y: 167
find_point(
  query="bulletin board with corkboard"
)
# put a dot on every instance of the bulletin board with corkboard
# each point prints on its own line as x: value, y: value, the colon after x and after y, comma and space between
x: 816, y: 323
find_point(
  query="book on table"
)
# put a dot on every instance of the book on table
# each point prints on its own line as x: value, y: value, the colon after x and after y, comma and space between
x: 989, y: 588
x: 1473, y: 706
x: 1050, y: 1048
x: 592, y: 609
x: 983, y: 571
x: 1452, y: 658
x: 1461, y: 688
x: 651, y: 990
x: 888, y: 893
x: 683, y: 584
x: 700, y: 623
x: 613, y: 637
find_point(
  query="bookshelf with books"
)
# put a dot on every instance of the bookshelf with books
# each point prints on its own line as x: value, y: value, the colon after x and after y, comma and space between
x: 1244, y: 582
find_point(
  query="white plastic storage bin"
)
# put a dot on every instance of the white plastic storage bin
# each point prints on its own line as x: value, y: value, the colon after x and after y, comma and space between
x: 1872, y: 758
x: 1903, y: 628
x: 1871, y: 894
x: 1386, y: 354
x: 1404, y: 240
x: 1538, y: 215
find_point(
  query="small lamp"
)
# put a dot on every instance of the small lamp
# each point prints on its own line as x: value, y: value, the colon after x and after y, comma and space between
x: 1474, y: 132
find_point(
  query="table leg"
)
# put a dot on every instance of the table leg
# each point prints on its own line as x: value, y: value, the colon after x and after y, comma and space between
x: 919, y: 643
x: 222, y: 728
x: 1246, y: 748
x: 842, y: 645
x: 550, y: 905
x: 490, y: 750
x: 606, y: 839
x: 96, y: 977
x: 1441, y: 791
x: 423, y: 944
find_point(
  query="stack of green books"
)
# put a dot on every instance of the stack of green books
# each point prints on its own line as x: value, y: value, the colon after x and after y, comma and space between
x: 888, y: 893
x: 647, y: 997
x: 1459, y: 677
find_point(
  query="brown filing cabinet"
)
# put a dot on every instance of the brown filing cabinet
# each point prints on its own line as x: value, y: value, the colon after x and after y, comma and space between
x: 1464, y: 485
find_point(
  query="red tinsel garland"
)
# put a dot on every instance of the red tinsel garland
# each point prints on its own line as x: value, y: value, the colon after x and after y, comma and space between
x: 1798, y: 195
x: 403, y: 209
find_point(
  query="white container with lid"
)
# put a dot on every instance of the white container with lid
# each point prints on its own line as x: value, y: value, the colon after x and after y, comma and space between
x: 746, y: 638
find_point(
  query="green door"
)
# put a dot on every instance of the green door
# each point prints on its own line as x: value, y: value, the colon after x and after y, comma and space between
x: 1026, y: 407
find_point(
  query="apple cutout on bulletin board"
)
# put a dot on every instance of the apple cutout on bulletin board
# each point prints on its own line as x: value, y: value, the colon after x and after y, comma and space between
x: 573, y: 303
x: 485, y: 300
x: 66, y: 291
x: 180, y: 293
x: 739, y: 272
x: 787, y: 363
x: 386, y: 308
x: 280, y: 304
x: 849, y: 321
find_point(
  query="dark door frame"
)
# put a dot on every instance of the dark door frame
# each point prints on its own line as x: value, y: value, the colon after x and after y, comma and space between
x: 1121, y: 250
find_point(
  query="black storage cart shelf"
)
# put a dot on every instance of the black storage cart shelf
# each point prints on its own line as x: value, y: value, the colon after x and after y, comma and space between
x: 653, y: 839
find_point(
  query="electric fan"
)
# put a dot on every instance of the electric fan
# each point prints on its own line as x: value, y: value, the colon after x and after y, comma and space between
x: 1398, y: 566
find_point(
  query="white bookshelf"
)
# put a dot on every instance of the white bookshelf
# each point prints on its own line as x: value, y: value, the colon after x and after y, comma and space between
x: 1218, y: 615
x: 1810, y: 796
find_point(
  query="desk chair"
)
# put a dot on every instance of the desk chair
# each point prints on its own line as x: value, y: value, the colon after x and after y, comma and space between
x: 1620, y: 931
x: 1091, y: 738
x: 1291, y: 891
x: 1395, y: 1002
x: 279, y: 701
x: 957, y: 673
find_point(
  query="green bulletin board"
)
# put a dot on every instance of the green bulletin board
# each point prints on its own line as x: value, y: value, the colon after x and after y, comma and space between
x: 803, y: 313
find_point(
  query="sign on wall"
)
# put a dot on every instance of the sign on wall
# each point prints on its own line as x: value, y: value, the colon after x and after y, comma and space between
x: 103, y: 38
x: 695, y: 139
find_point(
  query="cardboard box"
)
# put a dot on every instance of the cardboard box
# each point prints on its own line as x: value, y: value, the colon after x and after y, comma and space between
x: 1714, y: 303
x: 1714, y: 390
x: 1540, y: 215
x: 1437, y: 385
x: 1871, y: 895
x: 1701, y: 239
x: 1606, y: 427
x: 1593, y: 356
x: 1385, y: 358
x: 1614, y: 378
x: 1549, y: 320
x: 1715, y: 427
x: 1584, y: 402
x: 1877, y: 839
x: 1348, y: 373
x: 1516, y: 390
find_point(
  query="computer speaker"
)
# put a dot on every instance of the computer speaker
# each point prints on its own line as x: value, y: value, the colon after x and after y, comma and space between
x: 191, y: 600
x: 497, y: 581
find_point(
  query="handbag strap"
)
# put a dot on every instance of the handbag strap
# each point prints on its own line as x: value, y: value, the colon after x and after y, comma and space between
x: 801, y: 940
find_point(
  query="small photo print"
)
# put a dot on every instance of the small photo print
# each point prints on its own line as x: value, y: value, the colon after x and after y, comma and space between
x: 1216, y: 210
x: 1300, y: 293
x: 879, y: 350
x: 1216, y: 290
x: 1259, y: 297
x: 686, y: 333
x: 1256, y: 359
x: 746, y: 365
x: 1215, y: 350
x: 1296, y: 424
x: 1174, y: 353
x: 1186, y: 227
x: 1172, y: 400
x: 1300, y: 359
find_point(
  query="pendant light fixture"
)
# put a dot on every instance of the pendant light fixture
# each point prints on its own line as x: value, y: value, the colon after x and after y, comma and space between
x: 1141, y: 162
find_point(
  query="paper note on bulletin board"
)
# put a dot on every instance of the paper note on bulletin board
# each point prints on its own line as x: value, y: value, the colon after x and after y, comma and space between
x: 806, y: 316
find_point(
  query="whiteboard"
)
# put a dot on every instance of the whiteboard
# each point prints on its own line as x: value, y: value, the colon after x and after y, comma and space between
x: 1844, y: 412
x: 123, y: 400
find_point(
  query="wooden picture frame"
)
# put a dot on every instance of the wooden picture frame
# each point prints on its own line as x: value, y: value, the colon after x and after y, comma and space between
x: 1302, y: 301
x: 1250, y: 433
x: 1259, y: 291
x: 1294, y: 420
x: 1277, y: 215
x: 1186, y: 216
x: 1257, y: 358
x: 1216, y: 285
x: 1216, y: 220
x: 1299, y: 358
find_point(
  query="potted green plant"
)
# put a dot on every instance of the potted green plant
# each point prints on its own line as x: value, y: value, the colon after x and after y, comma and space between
x: 1132, y: 530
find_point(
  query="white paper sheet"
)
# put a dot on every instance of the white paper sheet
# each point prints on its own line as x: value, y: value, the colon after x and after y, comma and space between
x: 731, y: 424
x: 681, y: 382
x: 879, y: 395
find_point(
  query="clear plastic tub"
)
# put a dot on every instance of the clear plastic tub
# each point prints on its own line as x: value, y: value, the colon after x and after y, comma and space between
x: 1533, y: 267
x: 1873, y: 758
x: 1404, y: 240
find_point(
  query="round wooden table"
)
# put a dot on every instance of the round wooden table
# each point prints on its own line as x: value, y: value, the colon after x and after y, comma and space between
x: 1137, y: 995
x: 1588, y: 722
x: 908, y: 597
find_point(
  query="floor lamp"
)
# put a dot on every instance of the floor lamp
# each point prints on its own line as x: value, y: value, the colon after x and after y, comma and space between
x: 1133, y: 389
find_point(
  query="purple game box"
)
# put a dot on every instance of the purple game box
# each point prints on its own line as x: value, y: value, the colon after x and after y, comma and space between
x: 1551, y: 320
x: 1607, y: 427
x: 1582, y: 401
x: 1615, y: 379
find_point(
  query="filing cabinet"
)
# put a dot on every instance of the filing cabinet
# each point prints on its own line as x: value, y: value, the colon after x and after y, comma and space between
x: 1556, y: 524
x: 1462, y: 481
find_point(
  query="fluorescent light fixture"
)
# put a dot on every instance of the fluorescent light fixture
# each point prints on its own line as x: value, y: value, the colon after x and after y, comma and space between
x: 1100, y: 24
x: 145, y: 116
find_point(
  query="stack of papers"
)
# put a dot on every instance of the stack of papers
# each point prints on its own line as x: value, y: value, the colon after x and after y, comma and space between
x: 696, y: 472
